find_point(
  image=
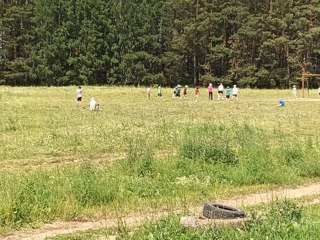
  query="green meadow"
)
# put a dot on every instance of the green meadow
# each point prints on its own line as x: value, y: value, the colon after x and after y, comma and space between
x: 63, y: 162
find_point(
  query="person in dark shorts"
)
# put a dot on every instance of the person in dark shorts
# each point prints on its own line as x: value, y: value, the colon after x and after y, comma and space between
x: 210, y: 91
x: 79, y: 95
x: 220, y: 91
x: 185, y: 91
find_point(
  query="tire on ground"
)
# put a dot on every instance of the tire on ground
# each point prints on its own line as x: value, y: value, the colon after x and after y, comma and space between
x: 219, y: 211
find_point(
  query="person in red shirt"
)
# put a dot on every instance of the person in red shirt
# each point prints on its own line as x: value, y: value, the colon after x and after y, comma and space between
x: 196, y: 94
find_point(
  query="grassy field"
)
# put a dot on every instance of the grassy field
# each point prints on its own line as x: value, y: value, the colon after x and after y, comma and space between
x: 170, y: 153
x: 45, y: 122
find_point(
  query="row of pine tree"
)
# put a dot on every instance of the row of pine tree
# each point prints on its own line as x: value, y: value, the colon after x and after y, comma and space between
x: 254, y: 43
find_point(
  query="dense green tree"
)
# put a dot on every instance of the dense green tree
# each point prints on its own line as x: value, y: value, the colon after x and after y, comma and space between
x: 16, y: 41
x: 261, y: 43
x: 138, y: 25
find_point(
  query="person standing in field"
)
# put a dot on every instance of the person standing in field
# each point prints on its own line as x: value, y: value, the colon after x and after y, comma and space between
x: 220, y: 91
x: 319, y: 90
x: 235, y: 92
x: 210, y: 91
x: 185, y: 91
x: 228, y: 93
x: 159, y: 91
x: 149, y: 92
x: 196, y: 94
x: 79, y: 95
x: 294, y: 92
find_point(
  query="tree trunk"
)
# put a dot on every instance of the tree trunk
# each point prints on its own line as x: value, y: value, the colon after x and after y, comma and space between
x: 194, y: 50
x: 286, y: 49
x: 194, y: 69
x: 14, y: 50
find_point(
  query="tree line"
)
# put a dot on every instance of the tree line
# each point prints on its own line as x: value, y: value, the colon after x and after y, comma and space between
x: 252, y: 43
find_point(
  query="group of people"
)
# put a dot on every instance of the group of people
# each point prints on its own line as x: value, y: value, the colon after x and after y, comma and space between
x: 228, y: 90
x: 228, y: 93
x: 222, y: 93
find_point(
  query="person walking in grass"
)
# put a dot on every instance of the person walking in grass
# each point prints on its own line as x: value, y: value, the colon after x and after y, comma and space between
x: 178, y: 90
x: 220, y: 91
x: 196, y: 94
x: 235, y: 92
x: 294, y: 92
x: 149, y: 92
x: 185, y: 91
x: 228, y: 93
x: 210, y: 91
x: 159, y: 91
x: 319, y: 90
x: 79, y: 92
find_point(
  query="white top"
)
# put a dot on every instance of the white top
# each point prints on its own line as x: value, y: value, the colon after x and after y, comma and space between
x: 319, y: 90
x: 92, y: 104
x: 235, y: 91
x: 79, y: 92
x: 148, y: 90
x: 220, y: 88
x: 294, y: 89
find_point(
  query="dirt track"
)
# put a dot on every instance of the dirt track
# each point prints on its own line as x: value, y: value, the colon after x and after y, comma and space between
x: 58, y: 228
x: 46, y: 163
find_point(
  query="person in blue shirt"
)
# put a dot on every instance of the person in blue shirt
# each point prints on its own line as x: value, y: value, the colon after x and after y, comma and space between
x: 228, y: 93
x: 281, y: 102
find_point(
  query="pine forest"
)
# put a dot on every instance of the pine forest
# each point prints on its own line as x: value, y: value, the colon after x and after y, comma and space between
x: 252, y: 43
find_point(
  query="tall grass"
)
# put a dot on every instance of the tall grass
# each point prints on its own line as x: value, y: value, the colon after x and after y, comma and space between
x: 212, y: 161
x: 281, y: 220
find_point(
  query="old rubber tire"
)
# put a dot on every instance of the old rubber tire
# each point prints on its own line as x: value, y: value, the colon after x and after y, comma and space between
x: 219, y: 211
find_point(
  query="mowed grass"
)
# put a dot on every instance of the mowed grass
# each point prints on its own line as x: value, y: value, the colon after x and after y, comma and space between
x: 178, y: 153
x: 45, y: 122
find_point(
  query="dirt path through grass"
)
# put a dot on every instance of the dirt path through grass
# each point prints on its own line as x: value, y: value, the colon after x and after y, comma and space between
x: 45, y: 163
x: 135, y: 220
